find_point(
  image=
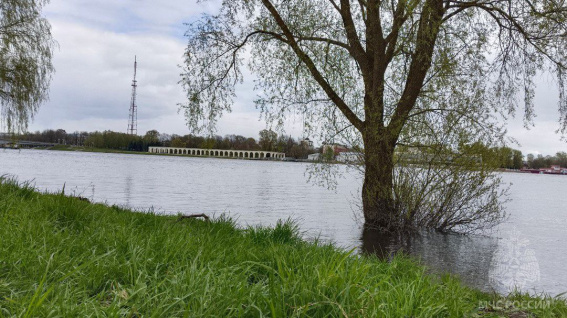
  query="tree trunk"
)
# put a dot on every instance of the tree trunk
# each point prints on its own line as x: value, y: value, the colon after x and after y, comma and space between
x: 377, y: 191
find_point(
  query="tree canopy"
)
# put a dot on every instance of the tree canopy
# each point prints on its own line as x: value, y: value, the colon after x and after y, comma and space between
x: 425, y: 75
x: 26, y: 50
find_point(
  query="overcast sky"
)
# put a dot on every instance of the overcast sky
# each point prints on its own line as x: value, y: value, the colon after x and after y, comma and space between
x: 94, y: 66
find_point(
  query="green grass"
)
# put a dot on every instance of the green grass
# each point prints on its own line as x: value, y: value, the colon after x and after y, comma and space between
x: 62, y: 256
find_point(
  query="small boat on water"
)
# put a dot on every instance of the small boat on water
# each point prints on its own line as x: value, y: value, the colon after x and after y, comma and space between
x: 555, y: 169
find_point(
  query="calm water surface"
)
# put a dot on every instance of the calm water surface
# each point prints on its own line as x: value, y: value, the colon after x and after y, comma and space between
x: 529, y: 250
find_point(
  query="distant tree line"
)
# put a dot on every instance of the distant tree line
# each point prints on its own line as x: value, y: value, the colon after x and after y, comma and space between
x: 508, y: 158
x: 513, y: 159
x: 499, y: 157
x: 268, y: 141
x: 539, y: 161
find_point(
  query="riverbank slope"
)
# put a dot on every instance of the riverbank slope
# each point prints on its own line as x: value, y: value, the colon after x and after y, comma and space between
x: 64, y: 256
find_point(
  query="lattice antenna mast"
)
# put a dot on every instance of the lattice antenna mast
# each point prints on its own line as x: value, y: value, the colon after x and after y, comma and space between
x: 133, y: 119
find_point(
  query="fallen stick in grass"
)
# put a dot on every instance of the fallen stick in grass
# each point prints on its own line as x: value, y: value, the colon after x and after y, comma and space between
x: 202, y: 215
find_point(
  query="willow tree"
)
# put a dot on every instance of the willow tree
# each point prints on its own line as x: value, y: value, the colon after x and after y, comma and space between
x: 377, y: 69
x: 26, y: 49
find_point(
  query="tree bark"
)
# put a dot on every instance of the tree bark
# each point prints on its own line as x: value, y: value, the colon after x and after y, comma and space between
x: 377, y: 191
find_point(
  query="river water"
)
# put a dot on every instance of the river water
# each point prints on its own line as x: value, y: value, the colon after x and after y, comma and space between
x: 528, y: 251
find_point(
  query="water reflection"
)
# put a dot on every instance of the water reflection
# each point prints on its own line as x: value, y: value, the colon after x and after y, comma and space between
x: 469, y: 257
x: 128, y: 189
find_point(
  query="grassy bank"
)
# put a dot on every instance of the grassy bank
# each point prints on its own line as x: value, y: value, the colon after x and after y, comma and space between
x: 63, y: 256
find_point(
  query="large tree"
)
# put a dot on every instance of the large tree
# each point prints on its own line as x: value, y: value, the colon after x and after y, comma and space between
x: 26, y: 49
x: 394, y: 73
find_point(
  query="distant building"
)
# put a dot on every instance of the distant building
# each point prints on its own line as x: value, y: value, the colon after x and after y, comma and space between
x: 314, y: 157
x: 307, y: 143
x: 555, y: 169
x: 336, y: 148
x: 349, y: 157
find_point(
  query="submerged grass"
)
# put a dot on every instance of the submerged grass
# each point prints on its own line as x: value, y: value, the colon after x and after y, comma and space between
x: 63, y: 256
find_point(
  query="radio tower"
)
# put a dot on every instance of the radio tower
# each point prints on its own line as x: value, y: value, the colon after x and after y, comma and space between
x: 133, y: 120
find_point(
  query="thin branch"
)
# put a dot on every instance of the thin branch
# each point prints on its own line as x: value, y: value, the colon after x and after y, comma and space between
x: 343, y: 107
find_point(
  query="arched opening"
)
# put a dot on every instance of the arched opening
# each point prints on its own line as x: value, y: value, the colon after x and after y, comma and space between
x: 268, y: 155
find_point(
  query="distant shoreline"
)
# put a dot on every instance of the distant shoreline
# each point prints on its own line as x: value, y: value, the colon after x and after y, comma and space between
x: 131, y: 152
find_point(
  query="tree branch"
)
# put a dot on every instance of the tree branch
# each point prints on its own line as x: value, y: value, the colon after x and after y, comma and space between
x: 357, y: 51
x: 429, y: 25
x: 291, y: 41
